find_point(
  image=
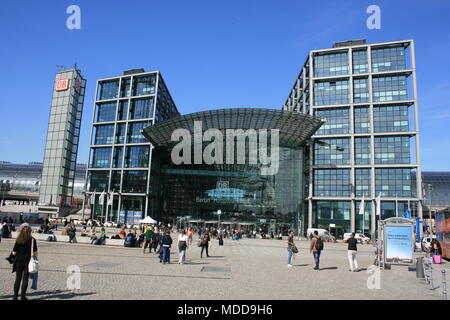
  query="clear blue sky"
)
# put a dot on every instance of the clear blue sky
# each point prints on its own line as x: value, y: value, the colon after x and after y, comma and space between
x: 212, y: 54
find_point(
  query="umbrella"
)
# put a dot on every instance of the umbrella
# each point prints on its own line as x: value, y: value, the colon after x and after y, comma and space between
x: 148, y: 220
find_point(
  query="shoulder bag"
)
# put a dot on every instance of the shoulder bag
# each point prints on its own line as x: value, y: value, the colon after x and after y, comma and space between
x: 33, y: 266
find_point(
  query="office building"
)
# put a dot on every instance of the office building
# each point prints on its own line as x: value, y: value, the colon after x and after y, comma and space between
x: 119, y: 156
x: 370, y: 143
x: 61, y: 147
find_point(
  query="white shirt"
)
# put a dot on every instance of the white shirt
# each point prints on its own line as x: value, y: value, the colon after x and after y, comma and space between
x: 182, y: 237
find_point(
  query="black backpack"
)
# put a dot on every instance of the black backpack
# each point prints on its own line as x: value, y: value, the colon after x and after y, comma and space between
x: 319, y: 244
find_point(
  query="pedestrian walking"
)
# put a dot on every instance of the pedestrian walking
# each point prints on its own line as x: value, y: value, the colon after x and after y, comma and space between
x: 351, y: 253
x: 182, y: 246
x: 22, y: 253
x: 291, y: 249
x: 316, y: 248
x: 204, y: 243
x: 148, y: 239
x: 190, y: 235
x: 71, y: 232
x: 166, y: 243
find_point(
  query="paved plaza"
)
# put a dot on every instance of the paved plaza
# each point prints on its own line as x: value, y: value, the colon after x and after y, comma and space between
x: 243, y: 269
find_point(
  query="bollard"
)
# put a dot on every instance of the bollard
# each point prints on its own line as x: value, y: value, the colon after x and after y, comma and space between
x: 431, y: 277
x: 444, y: 285
x: 420, y: 274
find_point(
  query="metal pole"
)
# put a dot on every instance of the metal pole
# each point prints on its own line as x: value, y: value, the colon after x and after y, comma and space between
x: 444, y: 285
x: 84, y: 200
x: 430, y: 187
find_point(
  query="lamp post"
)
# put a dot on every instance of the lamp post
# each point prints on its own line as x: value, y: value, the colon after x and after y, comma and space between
x: 219, y: 212
x: 430, y: 189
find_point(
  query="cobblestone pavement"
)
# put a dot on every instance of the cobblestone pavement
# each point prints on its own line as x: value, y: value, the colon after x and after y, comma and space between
x: 244, y: 269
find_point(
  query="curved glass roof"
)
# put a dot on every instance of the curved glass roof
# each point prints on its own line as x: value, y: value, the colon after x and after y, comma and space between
x: 295, y: 128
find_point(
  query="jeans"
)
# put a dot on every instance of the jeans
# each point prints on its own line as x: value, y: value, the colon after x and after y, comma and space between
x: 182, y: 258
x: 289, y: 255
x: 166, y: 255
x: 316, y: 255
x: 22, y: 275
x: 352, y: 259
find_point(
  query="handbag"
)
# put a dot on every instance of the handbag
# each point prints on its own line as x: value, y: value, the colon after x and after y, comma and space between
x: 33, y: 265
x: 294, y: 249
x: 437, y: 259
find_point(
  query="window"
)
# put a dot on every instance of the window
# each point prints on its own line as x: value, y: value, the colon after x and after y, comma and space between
x: 120, y: 133
x: 106, y: 112
x: 392, y: 150
x: 98, y: 181
x: 331, y: 92
x: 326, y: 64
x: 332, y: 182
x: 103, y: 134
x: 125, y: 90
x: 108, y: 90
x: 388, y: 59
x: 362, y: 120
x: 393, y: 182
x: 360, y: 64
x: 141, y: 109
x: 134, y: 181
x: 360, y: 90
x: 137, y: 157
x: 337, y: 121
x: 143, y: 85
x: 117, y: 157
x: 391, y: 88
x: 332, y: 151
x: 362, y: 182
x: 100, y: 157
x: 123, y: 110
x: 362, y: 150
x: 134, y: 132
x: 391, y: 119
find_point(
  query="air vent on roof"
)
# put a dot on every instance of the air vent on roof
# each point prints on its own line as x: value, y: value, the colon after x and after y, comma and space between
x: 349, y: 43
x: 133, y: 71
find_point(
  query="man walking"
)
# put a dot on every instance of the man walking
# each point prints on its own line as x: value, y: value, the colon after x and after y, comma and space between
x: 290, y: 248
x: 148, y: 239
x: 316, y: 248
x: 352, y: 250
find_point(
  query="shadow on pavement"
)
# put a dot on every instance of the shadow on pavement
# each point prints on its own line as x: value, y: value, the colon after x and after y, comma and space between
x: 329, y: 268
x: 301, y: 265
x: 55, y: 294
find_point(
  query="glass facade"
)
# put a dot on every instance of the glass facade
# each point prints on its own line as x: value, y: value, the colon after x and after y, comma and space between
x: 125, y: 164
x: 375, y: 124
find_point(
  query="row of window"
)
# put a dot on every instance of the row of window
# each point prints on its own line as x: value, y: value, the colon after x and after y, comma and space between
x: 104, y: 134
x: 391, y: 182
x: 388, y: 150
x: 386, y: 119
x: 140, y: 85
x: 136, y: 109
x: 336, y: 63
x: 135, y: 157
x: 132, y: 181
x: 330, y: 92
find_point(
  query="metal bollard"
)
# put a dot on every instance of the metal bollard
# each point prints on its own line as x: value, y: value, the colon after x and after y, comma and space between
x: 431, y: 277
x: 444, y: 285
x: 420, y: 274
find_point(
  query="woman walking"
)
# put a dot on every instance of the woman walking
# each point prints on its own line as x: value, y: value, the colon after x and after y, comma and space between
x: 204, y: 243
x: 22, y: 252
x: 290, y: 248
x: 182, y: 246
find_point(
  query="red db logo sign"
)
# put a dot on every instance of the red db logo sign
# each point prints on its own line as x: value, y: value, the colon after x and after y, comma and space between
x: 62, y: 84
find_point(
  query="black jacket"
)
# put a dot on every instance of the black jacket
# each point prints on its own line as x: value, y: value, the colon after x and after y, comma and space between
x: 23, y: 253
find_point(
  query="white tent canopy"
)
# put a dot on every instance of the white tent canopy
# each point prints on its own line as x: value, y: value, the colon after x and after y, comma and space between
x: 147, y: 220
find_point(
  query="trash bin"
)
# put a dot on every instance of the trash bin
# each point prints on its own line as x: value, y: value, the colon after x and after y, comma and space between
x: 420, y: 274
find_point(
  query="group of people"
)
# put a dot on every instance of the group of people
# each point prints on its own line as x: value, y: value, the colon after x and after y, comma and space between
x: 317, y: 245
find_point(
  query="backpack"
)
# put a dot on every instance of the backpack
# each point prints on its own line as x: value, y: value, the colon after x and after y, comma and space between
x: 319, y: 244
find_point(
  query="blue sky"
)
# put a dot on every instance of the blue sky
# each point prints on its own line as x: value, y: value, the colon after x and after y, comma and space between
x: 213, y: 54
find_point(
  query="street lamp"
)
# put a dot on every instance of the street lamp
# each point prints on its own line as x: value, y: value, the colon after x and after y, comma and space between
x: 219, y: 212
